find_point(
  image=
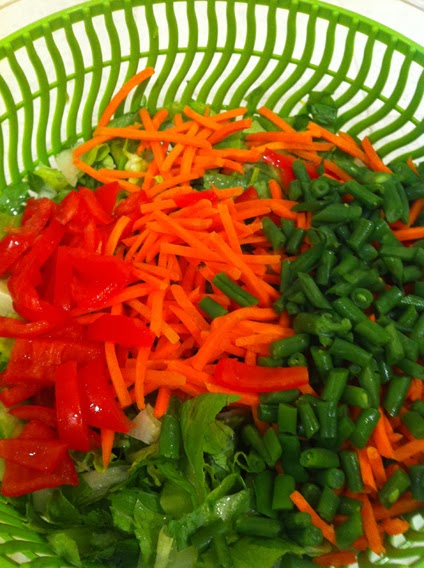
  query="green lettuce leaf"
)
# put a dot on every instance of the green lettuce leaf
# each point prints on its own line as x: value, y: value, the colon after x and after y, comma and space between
x: 250, y: 552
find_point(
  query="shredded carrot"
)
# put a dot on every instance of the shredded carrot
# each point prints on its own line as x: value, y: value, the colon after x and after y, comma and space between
x: 411, y: 164
x: 371, y: 531
x: 162, y: 402
x: 116, y: 375
x: 336, y: 559
x: 107, y: 439
x: 116, y: 234
x: 408, y: 450
x: 374, y: 159
x: 410, y: 234
x: 304, y: 507
x: 381, y: 438
x: 415, y: 210
x: 366, y: 470
x: 395, y: 526
x: 404, y: 505
x: 377, y: 466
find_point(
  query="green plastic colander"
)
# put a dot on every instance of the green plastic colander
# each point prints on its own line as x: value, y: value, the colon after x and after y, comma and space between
x: 57, y: 75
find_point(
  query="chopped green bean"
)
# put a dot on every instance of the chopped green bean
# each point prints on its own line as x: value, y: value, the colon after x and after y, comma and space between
x: 394, y: 488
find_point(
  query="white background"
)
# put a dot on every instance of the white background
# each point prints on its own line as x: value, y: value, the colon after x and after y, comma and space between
x: 405, y: 16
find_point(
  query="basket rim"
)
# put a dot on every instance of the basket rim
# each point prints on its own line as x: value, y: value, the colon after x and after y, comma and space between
x: 385, y: 34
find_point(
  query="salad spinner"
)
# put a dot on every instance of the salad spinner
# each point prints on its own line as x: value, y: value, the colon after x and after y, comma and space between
x: 58, y: 74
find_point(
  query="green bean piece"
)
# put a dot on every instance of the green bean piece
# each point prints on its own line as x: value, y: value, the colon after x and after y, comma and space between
x: 295, y: 241
x: 233, y: 291
x: 310, y: 536
x: 362, y: 298
x: 325, y: 325
x: 383, y: 233
x: 414, y: 422
x: 273, y: 446
x: 327, y: 417
x: 202, y: 538
x: 389, y: 300
x: 325, y: 268
x: 273, y: 234
x: 412, y: 300
x: 416, y: 474
x: 312, y: 494
x: 350, y: 352
x: 408, y: 318
x: 419, y: 288
x: 319, y: 458
x: 331, y: 477
x: 297, y: 360
x: 396, y: 392
x: 287, y: 418
x: 349, y: 505
x: 288, y: 227
x: 289, y: 395
x: 372, y: 332
x: 392, y: 202
x: 368, y: 253
x: 337, y: 213
x: 347, y: 309
x: 406, y: 254
x: 212, y: 308
x: 300, y: 171
x: 307, y: 261
x: 348, y: 531
x: 297, y: 520
x: 366, y: 197
x: 253, y: 525
x: 355, y: 396
x: 395, y: 268
x: 394, y: 488
x: 328, y: 504
x: 284, y: 485
x: 418, y: 406
x: 295, y: 190
x: 347, y: 266
x: 252, y: 437
x: 395, y: 351
x: 170, y: 437
x: 364, y: 427
x: 285, y: 275
x: 350, y: 465
x: 268, y: 412
x: 319, y: 187
x: 263, y: 485
x: 221, y: 551
x: 415, y: 191
x: 411, y: 368
x: 361, y: 234
x: 290, y: 457
x: 404, y: 173
x: 308, y: 419
x: 295, y: 561
x: 312, y: 291
x: 329, y: 237
x: 370, y: 382
x: 417, y: 333
x: 322, y: 360
x: 335, y: 384
x: 289, y: 345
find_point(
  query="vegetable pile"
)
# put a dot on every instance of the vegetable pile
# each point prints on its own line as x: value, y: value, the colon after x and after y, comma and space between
x: 217, y: 342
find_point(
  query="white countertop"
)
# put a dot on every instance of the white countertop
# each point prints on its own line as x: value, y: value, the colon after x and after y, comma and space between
x: 405, y: 16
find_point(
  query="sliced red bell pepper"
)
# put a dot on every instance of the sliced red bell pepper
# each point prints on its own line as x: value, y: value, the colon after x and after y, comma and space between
x: 62, y: 278
x: 37, y: 213
x: 68, y: 207
x: 72, y: 428
x: 94, y: 206
x: 107, y: 194
x: 188, y: 199
x: 34, y: 411
x: 120, y: 329
x: 16, y: 394
x: 233, y: 374
x: 284, y: 163
x: 11, y: 327
x: 37, y: 430
x: 18, y: 480
x: 249, y: 194
x: 41, y: 455
x: 132, y: 203
x: 101, y: 409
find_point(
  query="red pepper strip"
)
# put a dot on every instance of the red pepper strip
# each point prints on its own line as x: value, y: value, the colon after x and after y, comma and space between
x: 62, y: 279
x: 98, y: 396
x: 68, y: 208
x: 37, y: 430
x: 33, y: 411
x: 71, y: 425
x: 16, y: 394
x: 233, y: 374
x: 120, y: 329
x: 284, y: 163
x: 37, y: 213
x: 193, y: 198
x: 10, y: 327
x: 248, y: 194
x: 107, y: 194
x: 94, y: 206
x: 132, y: 203
x: 42, y: 455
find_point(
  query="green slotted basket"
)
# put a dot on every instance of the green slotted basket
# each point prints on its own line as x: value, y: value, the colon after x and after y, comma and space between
x: 57, y: 75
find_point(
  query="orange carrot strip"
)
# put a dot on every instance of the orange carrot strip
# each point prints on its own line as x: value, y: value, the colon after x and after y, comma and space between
x: 374, y: 160
x: 116, y: 375
x: 115, y: 235
x: 408, y: 450
x: 154, y: 136
x: 350, y: 148
x: 158, y: 150
x: 415, y: 210
x: 330, y: 166
x: 275, y: 189
x: 246, y: 399
x: 410, y: 234
x: 120, y: 174
x: 412, y: 165
x: 140, y: 376
x: 184, y: 302
x: 369, y: 523
x: 395, y: 526
x: 304, y: 507
x: 156, y: 322
x: 251, y: 340
x: 202, y: 120
x: 229, y: 228
x: 377, y: 466
x: 122, y: 94
x: 107, y: 439
x: 250, y: 357
x: 162, y: 402
x: 229, y: 129
x: 336, y: 559
x: 366, y: 470
x: 404, y: 505
x: 228, y: 192
x: 229, y: 114
x: 275, y: 119
x: 381, y: 438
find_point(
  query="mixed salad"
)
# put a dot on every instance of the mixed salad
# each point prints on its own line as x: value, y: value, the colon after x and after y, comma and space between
x: 213, y: 331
